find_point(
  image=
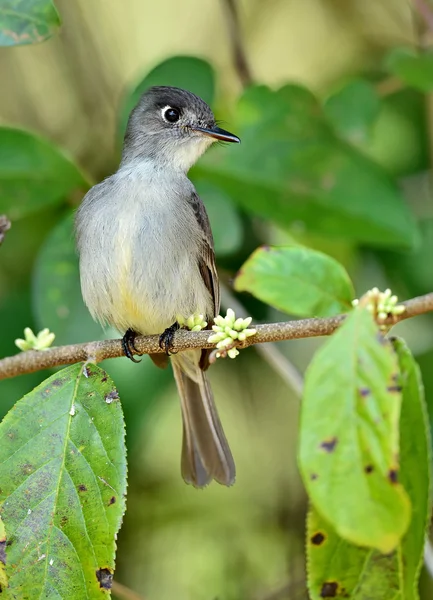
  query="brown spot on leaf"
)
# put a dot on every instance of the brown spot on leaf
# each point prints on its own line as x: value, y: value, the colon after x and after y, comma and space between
x: 57, y: 382
x: 104, y: 379
x: 329, y: 589
x: 63, y: 521
x: 381, y: 339
x: 313, y: 476
x: 266, y: 248
x: 318, y: 538
x: 329, y: 445
x: 105, y: 578
x: 3, y: 551
x: 111, y: 396
x: 82, y: 488
x: 364, y: 392
x: 112, y: 500
x: 369, y: 469
x: 393, y: 475
x: 27, y: 469
x: 394, y: 388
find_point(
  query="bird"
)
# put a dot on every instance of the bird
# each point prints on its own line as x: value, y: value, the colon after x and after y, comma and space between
x: 147, y: 260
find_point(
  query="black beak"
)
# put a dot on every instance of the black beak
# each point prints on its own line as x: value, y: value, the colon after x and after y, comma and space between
x: 218, y: 134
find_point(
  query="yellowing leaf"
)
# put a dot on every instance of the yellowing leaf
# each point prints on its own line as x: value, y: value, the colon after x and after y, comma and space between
x: 349, y: 436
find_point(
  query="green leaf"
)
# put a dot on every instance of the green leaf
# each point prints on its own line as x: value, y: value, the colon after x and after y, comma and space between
x: 292, y: 168
x: 415, y: 461
x: 187, y: 72
x: 349, y: 436
x: 63, y: 474
x: 57, y: 300
x: 337, y: 569
x: 34, y: 174
x: 353, y: 110
x: 348, y: 571
x: 297, y: 280
x: 414, y: 69
x: 27, y: 21
x: 224, y: 219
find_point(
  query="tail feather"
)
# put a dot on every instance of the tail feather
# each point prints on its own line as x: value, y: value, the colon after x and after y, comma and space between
x: 205, y: 452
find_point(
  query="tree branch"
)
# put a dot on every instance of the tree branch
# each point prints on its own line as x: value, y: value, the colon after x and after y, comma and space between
x: 124, y: 593
x: 239, y: 55
x: 34, y: 360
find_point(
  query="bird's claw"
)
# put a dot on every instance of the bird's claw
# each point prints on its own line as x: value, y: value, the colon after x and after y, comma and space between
x: 128, y: 345
x: 166, y: 338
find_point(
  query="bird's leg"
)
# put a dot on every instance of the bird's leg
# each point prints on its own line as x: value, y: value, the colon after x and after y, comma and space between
x: 166, y: 339
x: 128, y: 346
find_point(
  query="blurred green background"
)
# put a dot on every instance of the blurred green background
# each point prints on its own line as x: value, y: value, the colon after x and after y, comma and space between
x: 338, y: 159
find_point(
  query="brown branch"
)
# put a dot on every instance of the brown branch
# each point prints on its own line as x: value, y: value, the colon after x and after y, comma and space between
x: 239, y: 55
x: 33, y: 360
x: 424, y: 9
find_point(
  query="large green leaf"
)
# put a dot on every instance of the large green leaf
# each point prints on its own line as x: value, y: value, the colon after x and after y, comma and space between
x: 63, y: 483
x: 297, y: 280
x: 292, y: 168
x: 187, y: 72
x: 415, y: 462
x: 57, y: 300
x: 414, y: 69
x: 349, y: 436
x: 353, y: 109
x: 34, y: 174
x: 343, y: 570
x: 27, y: 21
x: 338, y: 569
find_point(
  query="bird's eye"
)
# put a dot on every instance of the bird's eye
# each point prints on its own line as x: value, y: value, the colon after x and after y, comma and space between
x: 171, y: 114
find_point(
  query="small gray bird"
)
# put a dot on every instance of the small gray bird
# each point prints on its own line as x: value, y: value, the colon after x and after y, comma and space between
x: 147, y: 258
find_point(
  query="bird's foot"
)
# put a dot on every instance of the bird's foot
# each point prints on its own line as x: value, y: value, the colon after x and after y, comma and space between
x: 166, y: 339
x: 128, y: 346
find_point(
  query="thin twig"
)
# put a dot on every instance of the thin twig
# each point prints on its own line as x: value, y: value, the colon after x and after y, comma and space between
x: 239, y: 55
x: 269, y: 352
x: 124, y: 593
x: 33, y: 360
x: 424, y: 9
x: 289, y: 590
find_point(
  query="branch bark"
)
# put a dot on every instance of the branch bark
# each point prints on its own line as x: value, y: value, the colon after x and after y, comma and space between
x: 238, y: 51
x: 33, y: 360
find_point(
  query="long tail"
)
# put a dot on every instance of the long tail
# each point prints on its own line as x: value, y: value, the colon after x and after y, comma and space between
x: 205, y: 452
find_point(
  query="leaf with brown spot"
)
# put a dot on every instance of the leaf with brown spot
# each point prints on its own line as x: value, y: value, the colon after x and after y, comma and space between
x: 364, y: 573
x: 339, y: 569
x: 373, y: 513
x: 78, y: 460
x: 27, y: 21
